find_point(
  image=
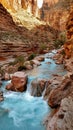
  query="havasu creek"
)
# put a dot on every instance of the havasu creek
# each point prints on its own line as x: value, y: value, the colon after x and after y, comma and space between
x: 36, y: 64
x: 23, y: 111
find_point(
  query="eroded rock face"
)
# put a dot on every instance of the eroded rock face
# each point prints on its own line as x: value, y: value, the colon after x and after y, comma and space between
x: 18, y: 82
x: 52, y: 84
x: 63, y: 117
x: 13, y: 38
x: 61, y: 98
x: 57, y: 94
x: 69, y: 44
x: 69, y: 64
x: 55, y: 12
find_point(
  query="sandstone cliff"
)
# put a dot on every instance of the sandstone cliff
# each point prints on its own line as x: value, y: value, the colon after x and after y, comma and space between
x: 55, y: 12
x: 17, y: 40
x: 69, y: 44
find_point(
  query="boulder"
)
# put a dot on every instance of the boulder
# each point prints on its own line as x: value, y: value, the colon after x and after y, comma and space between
x: 60, y: 92
x: 18, y: 82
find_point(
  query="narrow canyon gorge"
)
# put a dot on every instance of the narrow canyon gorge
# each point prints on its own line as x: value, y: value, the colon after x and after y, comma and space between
x: 36, y: 64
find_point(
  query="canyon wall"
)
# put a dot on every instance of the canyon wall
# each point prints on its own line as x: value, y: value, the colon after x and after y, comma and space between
x: 69, y: 44
x: 55, y: 12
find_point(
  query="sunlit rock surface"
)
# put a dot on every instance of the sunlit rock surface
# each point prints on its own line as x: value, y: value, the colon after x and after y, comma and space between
x: 55, y: 12
x: 16, y: 40
x: 18, y: 82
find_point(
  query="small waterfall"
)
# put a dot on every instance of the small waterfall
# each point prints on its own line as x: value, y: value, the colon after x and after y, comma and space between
x: 46, y: 85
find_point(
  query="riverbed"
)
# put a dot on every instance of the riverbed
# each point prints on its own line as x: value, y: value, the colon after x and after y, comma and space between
x: 21, y: 111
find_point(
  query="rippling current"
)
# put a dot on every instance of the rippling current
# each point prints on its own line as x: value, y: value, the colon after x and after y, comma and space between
x: 21, y: 111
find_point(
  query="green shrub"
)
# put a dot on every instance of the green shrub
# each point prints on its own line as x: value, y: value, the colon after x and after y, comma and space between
x: 43, y: 46
x: 31, y: 56
x: 19, y: 59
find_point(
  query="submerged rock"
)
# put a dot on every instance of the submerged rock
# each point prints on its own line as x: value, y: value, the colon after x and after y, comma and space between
x: 18, y: 82
x: 0, y: 83
x: 1, y: 96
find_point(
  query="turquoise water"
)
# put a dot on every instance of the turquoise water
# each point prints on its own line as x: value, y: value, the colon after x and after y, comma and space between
x: 21, y: 111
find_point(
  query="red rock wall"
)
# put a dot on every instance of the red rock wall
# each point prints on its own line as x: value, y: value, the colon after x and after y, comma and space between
x: 55, y: 12
x: 69, y: 44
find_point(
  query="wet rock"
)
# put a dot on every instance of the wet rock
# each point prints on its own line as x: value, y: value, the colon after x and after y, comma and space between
x: 18, y: 82
x: 39, y: 58
x: 38, y: 87
x: 9, y: 86
x: 48, y: 62
x: 0, y: 83
x: 1, y: 96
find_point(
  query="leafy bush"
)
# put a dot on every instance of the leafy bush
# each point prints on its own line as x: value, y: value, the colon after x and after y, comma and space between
x: 43, y: 46
x: 19, y: 59
x: 31, y: 56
